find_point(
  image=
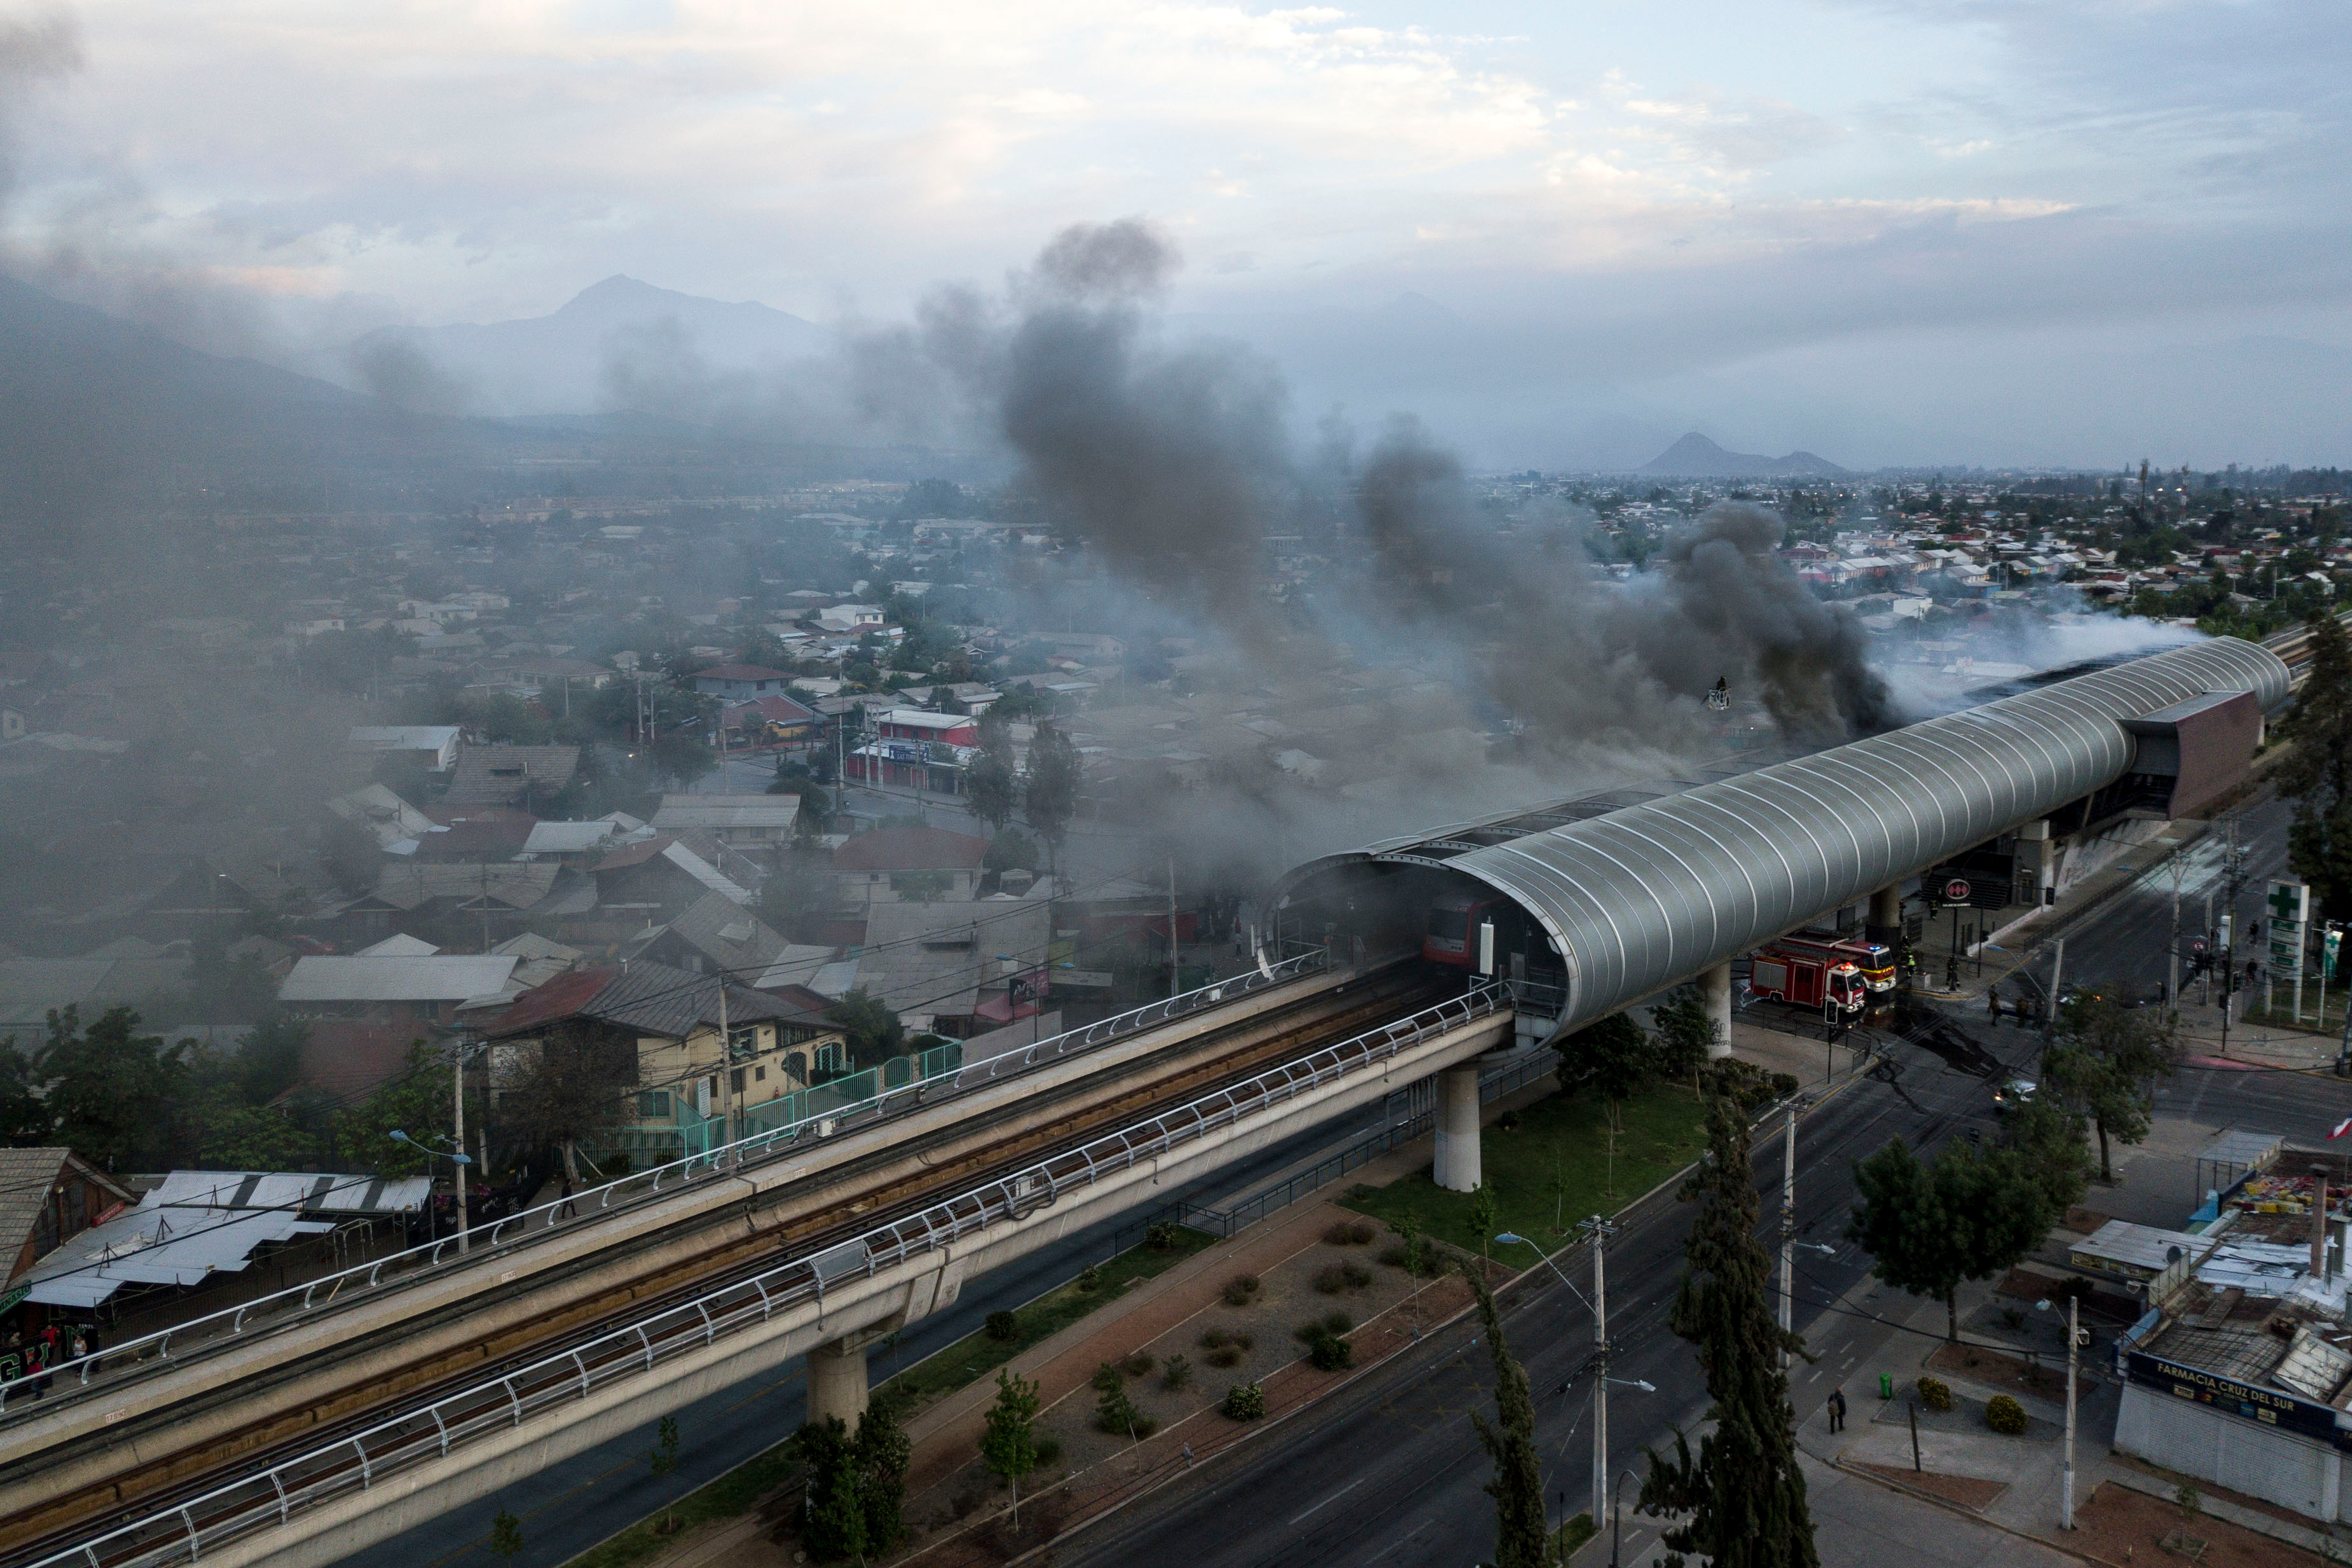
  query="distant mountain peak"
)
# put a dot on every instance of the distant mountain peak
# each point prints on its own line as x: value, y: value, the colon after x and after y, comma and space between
x: 1696, y: 456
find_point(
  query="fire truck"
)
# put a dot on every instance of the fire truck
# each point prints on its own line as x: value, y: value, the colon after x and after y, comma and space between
x: 1874, y: 959
x: 1829, y: 982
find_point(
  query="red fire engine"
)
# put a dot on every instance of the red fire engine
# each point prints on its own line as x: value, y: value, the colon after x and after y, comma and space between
x: 1874, y: 959
x: 1828, y: 982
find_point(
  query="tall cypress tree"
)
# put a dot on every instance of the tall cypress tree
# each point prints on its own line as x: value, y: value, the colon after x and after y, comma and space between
x: 2316, y: 774
x: 1518, y: 1486
x: 1744, y: 1494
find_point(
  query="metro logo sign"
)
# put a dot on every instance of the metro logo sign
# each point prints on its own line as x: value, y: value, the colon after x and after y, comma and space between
x: 1958, y: 889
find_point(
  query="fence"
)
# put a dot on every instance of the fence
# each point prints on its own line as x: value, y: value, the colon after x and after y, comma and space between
x: 535, y: 1223
x: 185, y: 1530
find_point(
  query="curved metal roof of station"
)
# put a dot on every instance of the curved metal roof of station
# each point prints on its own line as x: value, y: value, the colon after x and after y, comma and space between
x: 1647, y: 895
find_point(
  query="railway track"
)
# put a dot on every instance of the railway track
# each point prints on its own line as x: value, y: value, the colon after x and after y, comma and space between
x: 819, y: 1219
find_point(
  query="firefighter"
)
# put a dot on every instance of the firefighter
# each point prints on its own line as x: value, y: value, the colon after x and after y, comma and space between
x: 1993, y: 1003
x: 1952, y: 974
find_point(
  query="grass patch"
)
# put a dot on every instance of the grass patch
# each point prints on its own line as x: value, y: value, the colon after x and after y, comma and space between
x: 1665, y: 1128
x: 966, y: 1362
x: 1571, y: 1535
x: 731, y: 1496
x: 979, y: 1356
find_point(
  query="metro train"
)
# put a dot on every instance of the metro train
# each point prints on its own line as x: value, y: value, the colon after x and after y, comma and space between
x: 1451, y: 936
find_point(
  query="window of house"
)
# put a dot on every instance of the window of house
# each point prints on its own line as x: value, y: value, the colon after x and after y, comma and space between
x: 760, y: 1074
x: 735, y: 1080
x: 653, y: 1103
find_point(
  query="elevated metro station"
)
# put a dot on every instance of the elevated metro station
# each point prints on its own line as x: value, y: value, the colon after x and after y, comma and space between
x: 1594, y: 904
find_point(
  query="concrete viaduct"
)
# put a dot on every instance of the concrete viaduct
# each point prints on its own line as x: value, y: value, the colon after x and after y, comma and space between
x: 823, y: 1246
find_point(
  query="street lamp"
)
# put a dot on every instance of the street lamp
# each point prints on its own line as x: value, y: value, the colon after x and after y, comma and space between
x: 1507, y: 1239
x: 459, y: 1159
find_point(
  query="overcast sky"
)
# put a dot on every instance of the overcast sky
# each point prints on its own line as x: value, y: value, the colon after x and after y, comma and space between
x: 2031, y: 232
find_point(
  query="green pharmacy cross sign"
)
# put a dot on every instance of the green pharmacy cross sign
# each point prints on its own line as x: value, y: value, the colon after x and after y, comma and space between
x: 2290, y: 907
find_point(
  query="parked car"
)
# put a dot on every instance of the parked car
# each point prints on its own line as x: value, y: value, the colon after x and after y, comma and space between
x: 2014, y: 1095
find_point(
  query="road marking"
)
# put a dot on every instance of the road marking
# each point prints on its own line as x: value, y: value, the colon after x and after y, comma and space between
x: 1812, y: 1374
x: 1335, y: 1496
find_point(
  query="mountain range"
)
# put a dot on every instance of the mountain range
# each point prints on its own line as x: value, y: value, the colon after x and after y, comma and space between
x: 563, y: 362
x: 1696, y: 457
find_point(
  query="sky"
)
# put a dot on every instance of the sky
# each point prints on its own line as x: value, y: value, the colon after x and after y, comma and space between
x: 1995, y: 233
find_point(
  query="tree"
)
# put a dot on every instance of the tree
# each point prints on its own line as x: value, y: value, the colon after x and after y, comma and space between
x: 415, y: 1100
x: 990, y: 784
x: 2105, y: 1062
x: 1684, y: 1033
x: 880, y: 1456
x: 923, y: 887
x: 2048, y: 1136
x: 506, y: 1535
x: 1050, y: 788
x: 572, y: 1089
x: 1970, y: 1216
x: 1521, y: 1539
x: 111, y: 1091
x: 25, y: 1120
x: 1010, y: 850
x: 663, y: 1460
x: 832, y: 1516
x: 1614, y: 1056
x: 2316, y: 772
x: 1743, y: 1492
x: 1008, y: 1445
x: 873, y: 1031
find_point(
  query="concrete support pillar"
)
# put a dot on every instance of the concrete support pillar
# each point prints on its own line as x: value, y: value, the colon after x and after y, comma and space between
x: 1715, y: 989
x: 1885, y: 924
x: 1457, y: 1168
x: 837, y: 1382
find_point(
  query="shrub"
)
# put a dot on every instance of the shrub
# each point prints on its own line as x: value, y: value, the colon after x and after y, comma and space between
x: 1337, y: 1322
x: 1508, y: 1122
x: 1347, y: 1232
x: 1138, y: 1366
x: 1216, y: 1340
x: 1784, y: 1084
x: 1243, y: 1402
x: 1240, y: 1291
x: 1162, y: 1237
x: 1933, y: 1394
x: 1329, y: 1353
x: 1395, y: 1257
x: 1225, y: 1357
x: 1047, y: 1450
x: 1090, y: 1277
x: 1243, y: 1343
x: 1332, y: 1281
x: 2005, y: 1415
x: 1107, y: 1378
x: 1175, y: 1373
x: 1358, y: 1277
x: 1004, y: 1327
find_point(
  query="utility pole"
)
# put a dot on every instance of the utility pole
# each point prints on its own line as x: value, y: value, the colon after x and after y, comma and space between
x: 458, y: 1060
x: 1175, y: 963
x: 726, y: 1066
x: 1788, y: 1231
x: 2073, y: 1345
x: 2172, y: 980
x: 1599, y: 1230
x: 2057, y: 973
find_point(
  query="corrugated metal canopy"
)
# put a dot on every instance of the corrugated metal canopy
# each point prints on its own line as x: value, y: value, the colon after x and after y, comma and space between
x: 1648, y: 895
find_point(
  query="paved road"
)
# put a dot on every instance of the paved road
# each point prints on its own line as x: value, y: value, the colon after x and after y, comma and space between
x: 1389, y: 1472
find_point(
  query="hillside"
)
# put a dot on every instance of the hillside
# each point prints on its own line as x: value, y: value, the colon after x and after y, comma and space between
x: 1696, y: 457
x: 560, y: 363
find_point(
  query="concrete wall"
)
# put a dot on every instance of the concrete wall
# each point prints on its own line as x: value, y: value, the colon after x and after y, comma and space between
x: 2227, y: 1450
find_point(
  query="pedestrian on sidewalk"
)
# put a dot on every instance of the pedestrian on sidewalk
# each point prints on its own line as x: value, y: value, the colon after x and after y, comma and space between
x: 1993, y: 1003
x: 1837, y: 1409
